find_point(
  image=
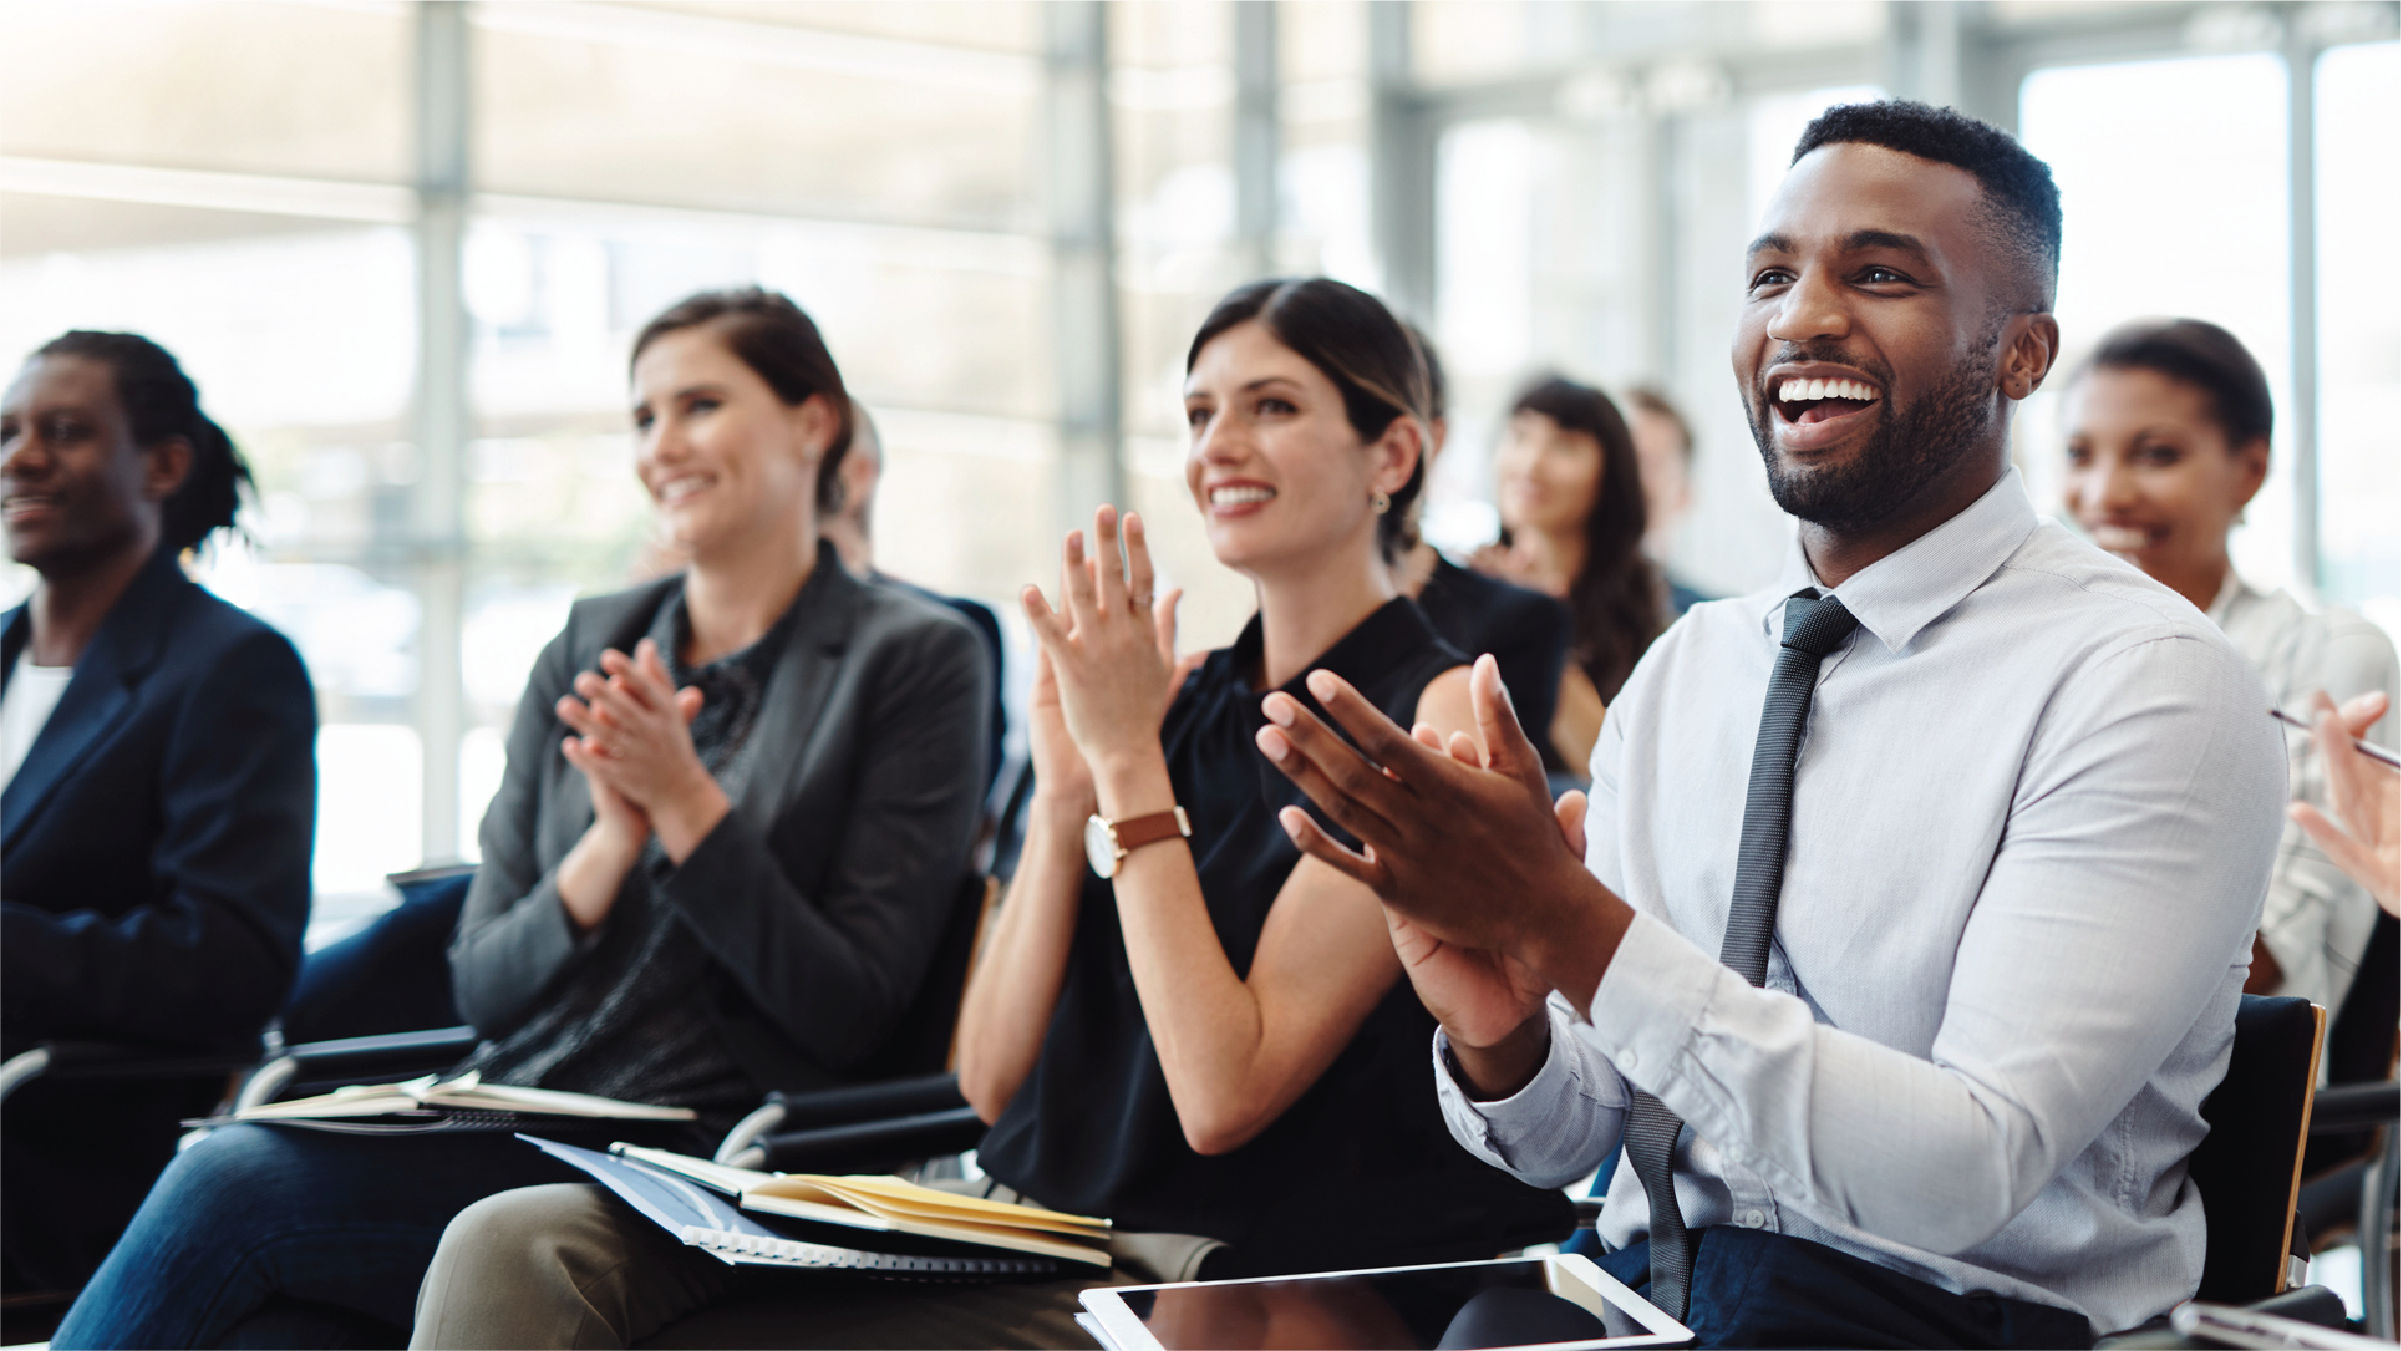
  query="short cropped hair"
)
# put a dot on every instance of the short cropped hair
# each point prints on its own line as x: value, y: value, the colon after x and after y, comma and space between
x: 2021, y: 199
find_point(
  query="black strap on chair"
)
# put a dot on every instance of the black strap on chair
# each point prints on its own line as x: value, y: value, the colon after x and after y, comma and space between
x: 2249, y: 1168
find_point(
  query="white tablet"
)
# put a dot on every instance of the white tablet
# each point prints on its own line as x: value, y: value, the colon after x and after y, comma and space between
x: 1562, y: 1302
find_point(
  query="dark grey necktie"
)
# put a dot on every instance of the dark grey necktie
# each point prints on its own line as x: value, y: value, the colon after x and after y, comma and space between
x: 1813, y: 627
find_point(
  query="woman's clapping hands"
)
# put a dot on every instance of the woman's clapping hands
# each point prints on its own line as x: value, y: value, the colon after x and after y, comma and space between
x: 633, y: 743
x: 2367, y: 799
x: 1108, y: 651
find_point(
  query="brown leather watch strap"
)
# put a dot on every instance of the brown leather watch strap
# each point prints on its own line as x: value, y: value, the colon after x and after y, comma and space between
x: 1137, y: 831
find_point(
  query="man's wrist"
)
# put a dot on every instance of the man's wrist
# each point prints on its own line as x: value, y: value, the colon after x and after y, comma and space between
x: 1572, y: 946
x: 1503, y: 1069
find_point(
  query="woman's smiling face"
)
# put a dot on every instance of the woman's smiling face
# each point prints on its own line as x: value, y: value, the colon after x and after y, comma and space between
x: 1273, y: 463
x: 721, y: 456
x: 2150, y: 475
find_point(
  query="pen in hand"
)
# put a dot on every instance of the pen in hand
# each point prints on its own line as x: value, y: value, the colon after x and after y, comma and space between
x: 2366, y: 748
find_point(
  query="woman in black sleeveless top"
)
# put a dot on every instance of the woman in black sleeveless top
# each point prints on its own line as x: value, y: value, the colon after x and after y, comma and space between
x: 1217, y: 1041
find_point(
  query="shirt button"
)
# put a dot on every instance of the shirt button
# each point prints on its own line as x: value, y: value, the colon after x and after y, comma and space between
x: 1629, y: 1059
x: 1753, y: 1219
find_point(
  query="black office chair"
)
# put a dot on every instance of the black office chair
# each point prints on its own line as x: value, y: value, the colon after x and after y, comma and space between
x: 2248, y: 1168
x: 2353, y: 1167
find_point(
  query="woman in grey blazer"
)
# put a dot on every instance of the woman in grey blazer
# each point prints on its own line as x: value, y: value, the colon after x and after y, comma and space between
x: 737, y: 806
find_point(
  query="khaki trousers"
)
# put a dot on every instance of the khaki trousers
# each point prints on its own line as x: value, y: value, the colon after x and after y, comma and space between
x: 568, y: 1265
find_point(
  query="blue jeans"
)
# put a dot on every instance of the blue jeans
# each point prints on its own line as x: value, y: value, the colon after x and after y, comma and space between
x: 271, y: 1235
x: 1754, y: 1288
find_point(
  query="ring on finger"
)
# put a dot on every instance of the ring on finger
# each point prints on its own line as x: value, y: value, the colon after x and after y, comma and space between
x: 1140, y: 602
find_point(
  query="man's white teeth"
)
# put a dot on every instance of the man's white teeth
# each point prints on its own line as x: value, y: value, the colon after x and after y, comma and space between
x: 1235, y: 497
x: 2119, y: 538
x: 1810, y: 391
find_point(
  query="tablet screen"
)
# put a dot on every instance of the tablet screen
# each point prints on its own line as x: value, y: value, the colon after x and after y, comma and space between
x: 1484, y: 1304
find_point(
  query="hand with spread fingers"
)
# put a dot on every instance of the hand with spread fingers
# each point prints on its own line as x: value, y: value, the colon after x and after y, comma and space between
x: 1110, y: 650
x: 1487, y: 896
x: 2366, y: 799
x: 634, y: 740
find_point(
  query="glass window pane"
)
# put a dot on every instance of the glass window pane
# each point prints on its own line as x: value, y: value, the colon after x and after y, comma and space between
x: 2359, y: 330
x: 2172, y: 179
x: 284, y: 89
x: 998, y: 25
x: 598, y: 103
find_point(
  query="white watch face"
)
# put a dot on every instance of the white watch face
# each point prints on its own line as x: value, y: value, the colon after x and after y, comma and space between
x: 1100, y: 846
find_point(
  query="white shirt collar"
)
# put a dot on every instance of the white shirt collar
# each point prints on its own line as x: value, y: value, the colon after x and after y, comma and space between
x: 1898, y: 595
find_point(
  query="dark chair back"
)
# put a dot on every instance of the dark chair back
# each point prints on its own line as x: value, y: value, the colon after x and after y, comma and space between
x: 2360, y: 1042
x: 922, y: 1042
x: 2248, y: 1169
x: 393, y: 975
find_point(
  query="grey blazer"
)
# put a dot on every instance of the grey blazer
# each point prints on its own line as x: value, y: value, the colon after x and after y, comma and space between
x: 821, y: 895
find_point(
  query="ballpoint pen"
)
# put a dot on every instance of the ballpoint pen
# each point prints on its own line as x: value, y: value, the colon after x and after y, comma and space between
x: 2370, y: 750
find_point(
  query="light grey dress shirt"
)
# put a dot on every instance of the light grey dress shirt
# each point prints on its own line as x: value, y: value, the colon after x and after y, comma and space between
x: 2317, y: 919
x: 2033, y: 816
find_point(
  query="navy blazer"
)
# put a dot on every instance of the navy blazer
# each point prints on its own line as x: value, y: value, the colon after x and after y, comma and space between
x: 155, y: 842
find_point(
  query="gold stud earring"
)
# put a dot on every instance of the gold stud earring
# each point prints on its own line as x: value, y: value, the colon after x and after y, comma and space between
x: 1383, y: 502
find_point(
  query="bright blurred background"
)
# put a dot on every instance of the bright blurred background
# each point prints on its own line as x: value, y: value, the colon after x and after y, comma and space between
x: 402, y: 247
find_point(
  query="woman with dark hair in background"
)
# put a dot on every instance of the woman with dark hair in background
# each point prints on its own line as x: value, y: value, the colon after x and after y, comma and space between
x: 158, y: 751
x: 1210, y: 1043
x: 1572, y: 521
x: 730, y: 830
x: 2168, y: 432
x: 1526, y: 632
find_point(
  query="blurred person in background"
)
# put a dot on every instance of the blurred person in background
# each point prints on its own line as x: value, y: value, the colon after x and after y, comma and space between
x: 1526, y: 631
x: 2168, y: 431
x: 1663, y: 448
x: 1211, y: 1046
x: 158, y: 748
x: 1572, y: 525
x: 850, y: 525
x: 733, y: 822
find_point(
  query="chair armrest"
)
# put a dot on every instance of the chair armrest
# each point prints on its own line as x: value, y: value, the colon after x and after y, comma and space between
x: 2352, y: 1107
x: 869, y: 1102
x: 371, y: 1053
x: 317, y: 1066
x: 119, y: 1060
x: 785, y: 1114
x: 123, y: 1060
x: 871, y: 1146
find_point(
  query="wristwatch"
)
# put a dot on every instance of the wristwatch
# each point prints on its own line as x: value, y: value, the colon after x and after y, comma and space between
x: 1107, y: 842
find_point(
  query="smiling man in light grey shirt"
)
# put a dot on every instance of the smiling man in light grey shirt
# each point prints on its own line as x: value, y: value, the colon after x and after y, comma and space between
x: 2031, y: 816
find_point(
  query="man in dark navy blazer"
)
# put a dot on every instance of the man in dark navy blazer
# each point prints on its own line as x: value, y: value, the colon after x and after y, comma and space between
x: 158, y: 752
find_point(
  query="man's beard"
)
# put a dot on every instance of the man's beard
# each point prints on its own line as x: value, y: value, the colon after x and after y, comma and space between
x: 1909, y: 449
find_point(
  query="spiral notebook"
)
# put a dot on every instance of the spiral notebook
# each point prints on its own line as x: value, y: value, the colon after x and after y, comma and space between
x: 717, y: 1226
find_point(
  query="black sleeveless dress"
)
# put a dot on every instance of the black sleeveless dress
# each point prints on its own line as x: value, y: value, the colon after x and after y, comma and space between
x: 1360, y: 1170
